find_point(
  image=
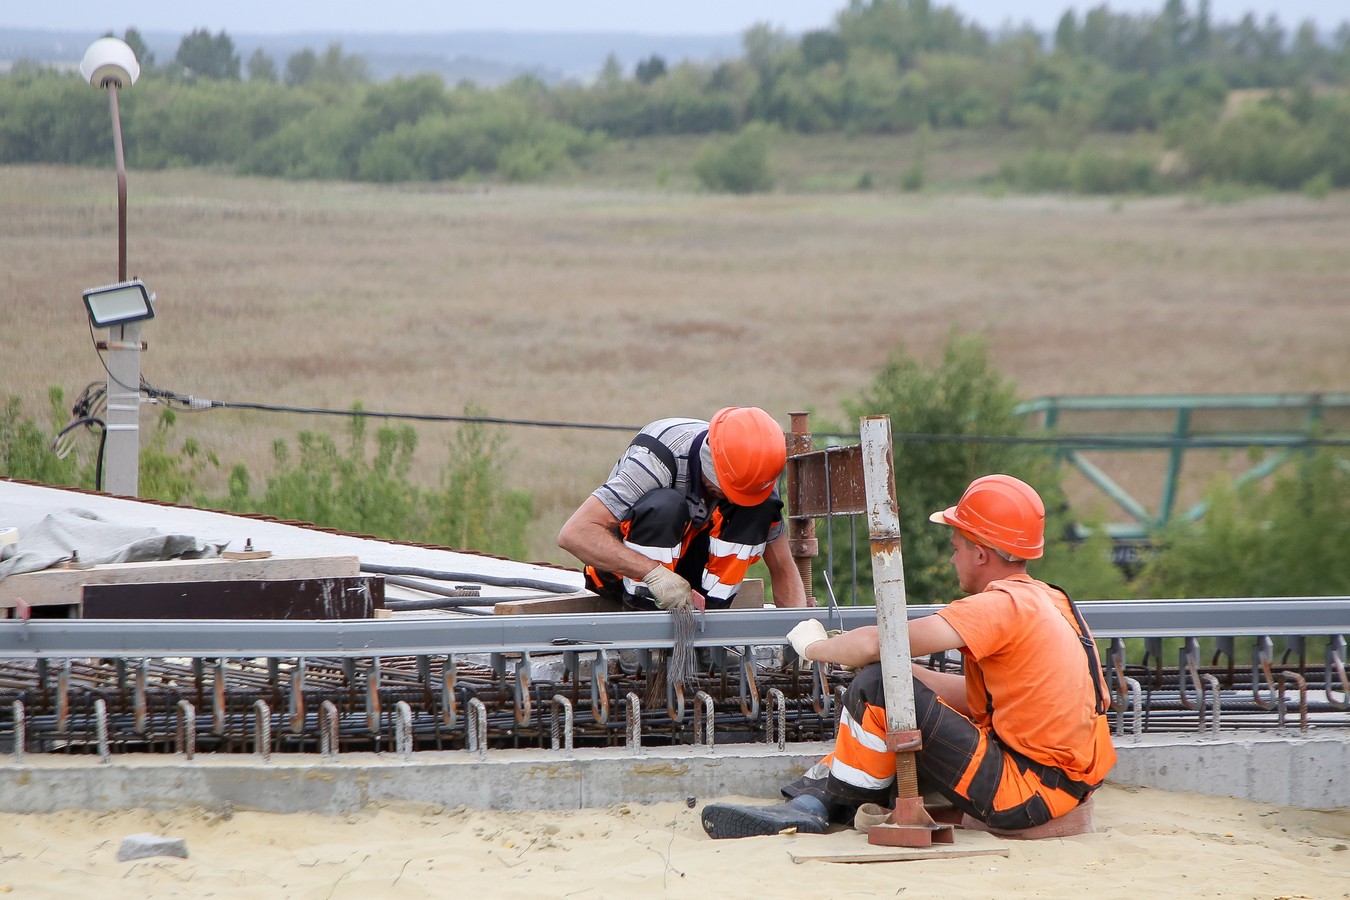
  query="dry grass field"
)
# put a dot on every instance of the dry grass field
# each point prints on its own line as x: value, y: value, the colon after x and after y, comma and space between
x: 583, y: 304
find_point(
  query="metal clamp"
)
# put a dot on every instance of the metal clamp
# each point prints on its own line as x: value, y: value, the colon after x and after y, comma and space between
x: 1136, y: 703
x: 297, y: 707
x: 1210, y: 696
x: 63, y: 698
x: 20, y: 731
x: 262, y: 730
x: 139, y: 704
x: 703, y: 719
x: 521, y: 685
x: 1302, y: 684
x: 1188, y: 672
x: 373, y: 696
x: 775, y: 723
x: 403, y: 742
x: 186, y: 738
x: 1335, y: 673
x: 476, y: 737
x: 218, y: 694
x: 449, y: 701
x: 562, y: 727
x: 328, y: 730
x: 821, y: 701
x: 1115, y: 675
x: 634, y: 742
x: 101, y: 729
x: 600, y: 687
x: 1262, y: 652
x: 749, y: 688
x: 674, y: 700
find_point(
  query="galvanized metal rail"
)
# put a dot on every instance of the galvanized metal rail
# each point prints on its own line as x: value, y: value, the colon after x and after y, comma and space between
x: 74, y: 638
x: 448, y: 682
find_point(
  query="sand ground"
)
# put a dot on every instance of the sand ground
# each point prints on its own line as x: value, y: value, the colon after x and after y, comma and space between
x: 1148, y: 844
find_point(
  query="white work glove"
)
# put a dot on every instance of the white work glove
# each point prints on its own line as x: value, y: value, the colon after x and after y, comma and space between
x: 806, y: 633
x: 668, y: 589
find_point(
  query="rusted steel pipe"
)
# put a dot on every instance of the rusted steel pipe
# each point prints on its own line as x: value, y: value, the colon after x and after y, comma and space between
x: 802, y: 542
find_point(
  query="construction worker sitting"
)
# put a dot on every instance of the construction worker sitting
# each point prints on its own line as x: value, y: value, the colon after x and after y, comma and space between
x: 1021, y: 738
x: 689, y: 503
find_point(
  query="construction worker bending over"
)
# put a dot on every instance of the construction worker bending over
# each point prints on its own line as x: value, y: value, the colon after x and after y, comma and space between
x: 689, y: 503
x: 1020, y: 739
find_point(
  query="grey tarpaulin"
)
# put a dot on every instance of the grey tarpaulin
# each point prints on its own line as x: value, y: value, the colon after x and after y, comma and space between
x: 53, y: 539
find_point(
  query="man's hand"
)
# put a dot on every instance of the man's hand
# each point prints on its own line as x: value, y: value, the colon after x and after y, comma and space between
x: 669, y: 590
x: 806, y: 633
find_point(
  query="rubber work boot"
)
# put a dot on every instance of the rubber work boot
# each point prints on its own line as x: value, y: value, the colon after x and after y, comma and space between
x: 806, y: 815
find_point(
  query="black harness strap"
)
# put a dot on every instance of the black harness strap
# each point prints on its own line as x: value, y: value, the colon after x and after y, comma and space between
x: 659, y: 450
x: 1050, y: 776
x: 1090, y: 648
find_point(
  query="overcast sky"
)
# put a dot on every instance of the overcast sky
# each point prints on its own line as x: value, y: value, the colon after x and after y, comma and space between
x: 644, y: 16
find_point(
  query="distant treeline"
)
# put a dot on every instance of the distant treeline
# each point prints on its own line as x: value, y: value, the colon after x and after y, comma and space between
x: 1246, y: 102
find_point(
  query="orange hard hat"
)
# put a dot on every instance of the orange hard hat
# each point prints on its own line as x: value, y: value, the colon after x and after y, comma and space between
x: 1001, y: 512
x: 748, y: 453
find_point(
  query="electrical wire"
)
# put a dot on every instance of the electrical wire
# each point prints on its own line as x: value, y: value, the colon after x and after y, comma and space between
x: 190, y: 403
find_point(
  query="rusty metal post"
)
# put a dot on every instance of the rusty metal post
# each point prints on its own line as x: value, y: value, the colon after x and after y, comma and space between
x: 910, y: 825
x: 802, y: 541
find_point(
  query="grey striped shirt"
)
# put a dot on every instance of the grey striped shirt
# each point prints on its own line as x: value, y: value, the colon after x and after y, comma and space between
x: 640, y: 471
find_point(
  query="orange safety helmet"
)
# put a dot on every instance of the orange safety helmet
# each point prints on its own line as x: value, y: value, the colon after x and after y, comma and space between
x: 1001, y: 512
x: 748, y: 453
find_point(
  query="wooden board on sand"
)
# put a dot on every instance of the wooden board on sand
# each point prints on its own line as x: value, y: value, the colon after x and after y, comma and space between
x: 852, y: 847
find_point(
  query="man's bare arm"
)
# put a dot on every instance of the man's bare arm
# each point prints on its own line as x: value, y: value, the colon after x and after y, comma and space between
x: 592, y: 536
x: 862, y: 646
x: 788, y: 590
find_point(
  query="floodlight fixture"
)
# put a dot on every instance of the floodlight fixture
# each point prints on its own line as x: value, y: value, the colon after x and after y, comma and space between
x: 118, y: 304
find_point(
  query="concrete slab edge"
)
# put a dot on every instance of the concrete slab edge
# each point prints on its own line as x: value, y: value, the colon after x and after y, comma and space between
x: 1310, y: 772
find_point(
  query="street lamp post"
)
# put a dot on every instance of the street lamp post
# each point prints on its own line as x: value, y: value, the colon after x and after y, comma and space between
x: 111, y: 65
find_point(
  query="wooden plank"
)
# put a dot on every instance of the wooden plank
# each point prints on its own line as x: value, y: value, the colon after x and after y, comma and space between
x: 850, y: 846
x: 305, y: 598
x: 580, y: 602
x: 750, y: 596
x: 64, y: 587
x: 895, y: 854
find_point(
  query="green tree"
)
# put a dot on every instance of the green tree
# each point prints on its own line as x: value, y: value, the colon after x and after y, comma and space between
x: 301, y: 67
x: 261, y: 67
x: 948, y: 422
x: 338, y: 68
x: 133, y: 39
x: 202, y: 55
x: 650, y: 69
x: 1066, y: 34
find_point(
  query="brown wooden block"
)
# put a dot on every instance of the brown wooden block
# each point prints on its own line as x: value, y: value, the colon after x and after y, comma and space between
x: 312, y: 598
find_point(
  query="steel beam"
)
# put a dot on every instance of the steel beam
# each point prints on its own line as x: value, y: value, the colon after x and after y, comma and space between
x: 133, y: 638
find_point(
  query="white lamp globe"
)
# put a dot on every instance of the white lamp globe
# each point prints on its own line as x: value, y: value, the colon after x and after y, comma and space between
x: 109, y: 59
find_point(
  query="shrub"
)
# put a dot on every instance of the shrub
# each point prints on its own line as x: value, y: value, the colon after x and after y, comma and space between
x: 740, y: 166
x: 1095, y: 172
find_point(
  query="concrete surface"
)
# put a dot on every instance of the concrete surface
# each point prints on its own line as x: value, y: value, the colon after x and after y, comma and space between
x: 1285, y: 769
